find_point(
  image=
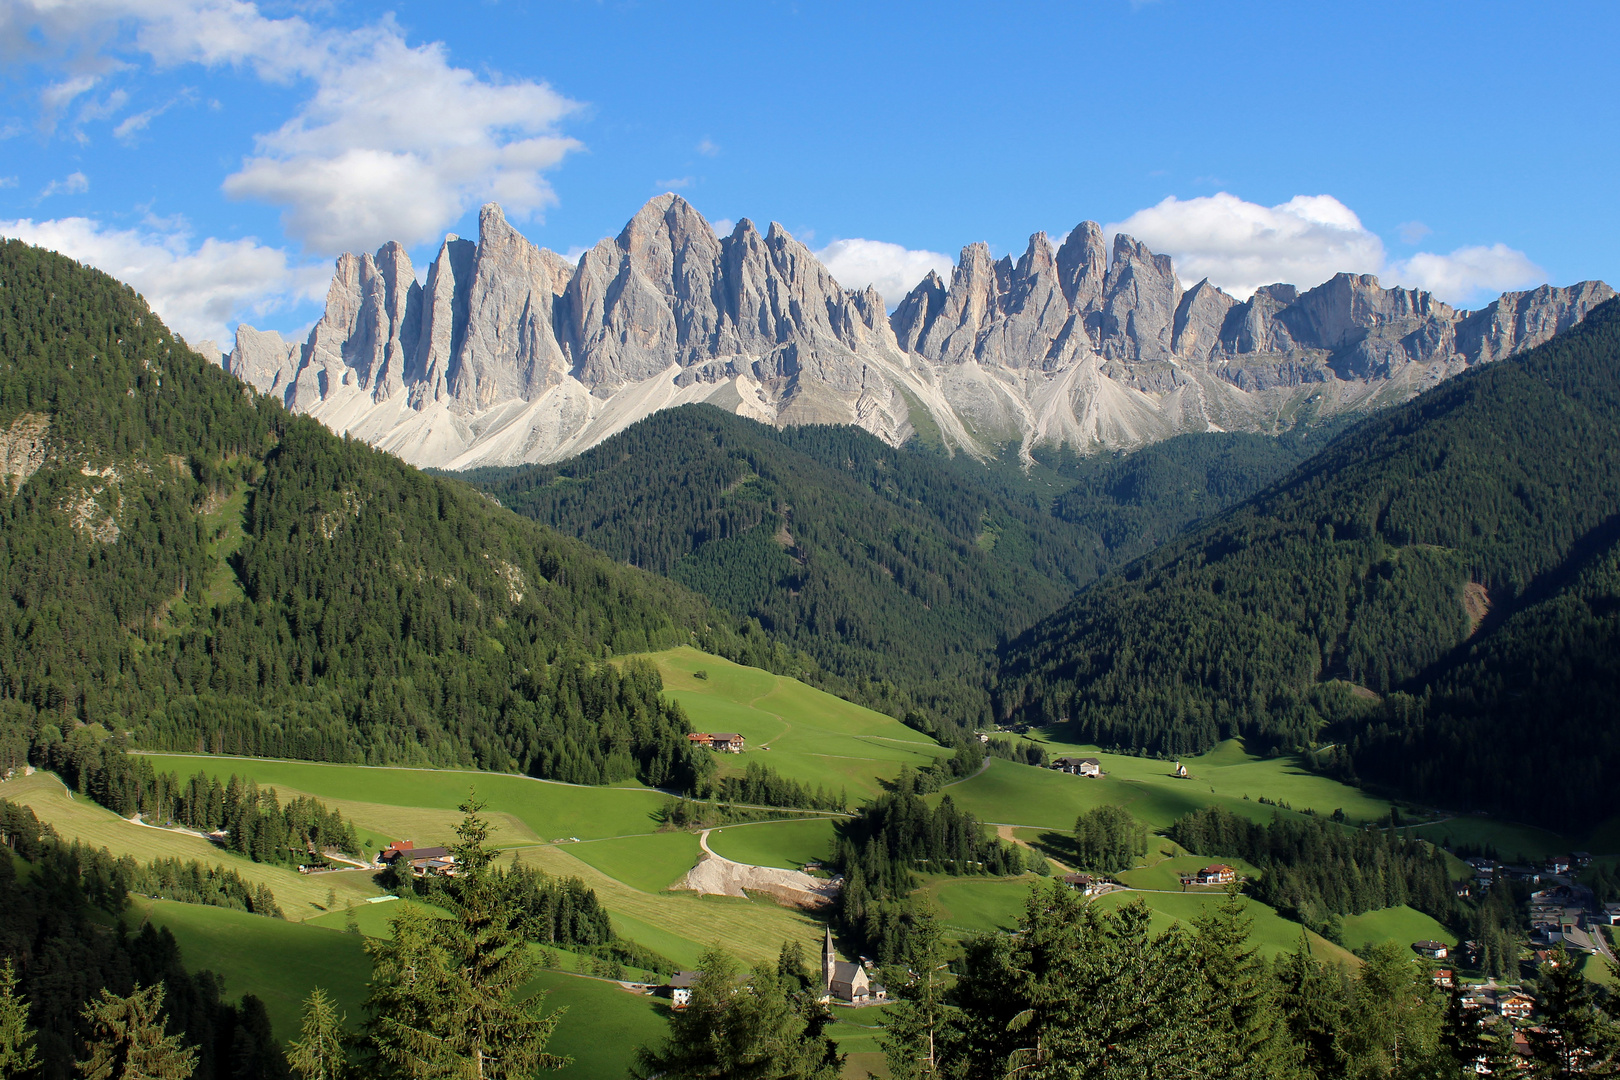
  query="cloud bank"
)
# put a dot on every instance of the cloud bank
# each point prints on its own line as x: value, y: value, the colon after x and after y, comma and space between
x: 893, y: 269
x: 197, y: 290
x: 1240, y: 246
x: 393, y: 143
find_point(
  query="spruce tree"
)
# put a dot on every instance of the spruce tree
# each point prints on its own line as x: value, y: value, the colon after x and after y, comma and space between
x: 1575, y: 1037
x: 127, y: 1040
x: 319, y: 1054
x: 735, y: 1027
x: 444, y: 991
x: 18, y: 1055
x: 917, y: 1024
x: 1243, y: 985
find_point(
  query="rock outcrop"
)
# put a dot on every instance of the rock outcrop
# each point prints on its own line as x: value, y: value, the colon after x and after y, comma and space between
x: 508, y: 353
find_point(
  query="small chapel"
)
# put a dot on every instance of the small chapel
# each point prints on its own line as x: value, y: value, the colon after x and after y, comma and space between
x: 846, y: 981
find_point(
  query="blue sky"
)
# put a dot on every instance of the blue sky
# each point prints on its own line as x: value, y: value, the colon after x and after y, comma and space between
x: 219, y: 154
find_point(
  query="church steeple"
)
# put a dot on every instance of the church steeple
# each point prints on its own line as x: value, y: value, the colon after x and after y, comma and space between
x: 829, y: 958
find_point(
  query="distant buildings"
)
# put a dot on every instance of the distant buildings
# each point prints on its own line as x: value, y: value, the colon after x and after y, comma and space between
x: 1078, y: 766
x: 1084, y: 884
x: 725, y: 742
x: 1434, y: 950
x: 404, y: 854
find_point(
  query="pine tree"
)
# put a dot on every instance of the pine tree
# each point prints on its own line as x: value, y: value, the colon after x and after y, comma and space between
x: 17, y: 1053
x: 916, y: 1025
x: 737, y: 1027
x: 127, y: 1040
x: 1575, y: 1037
x: 320, y: 1055
x: 444, y: 991
x: 1239, y: 978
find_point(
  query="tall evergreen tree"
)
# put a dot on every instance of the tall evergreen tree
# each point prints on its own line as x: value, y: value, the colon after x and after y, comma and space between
x: 18, y: 1055
x: 127, y: 1040
x: 918, y: 1023
x: 1575, y: 1037
x: 445, y: 991
x: 255, y: 1053
x: 738, y: 1026
x: 1244, y: 987
x: 320, y: 1053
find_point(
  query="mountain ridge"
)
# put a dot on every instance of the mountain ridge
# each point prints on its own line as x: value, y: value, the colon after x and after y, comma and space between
x: 507, y: 354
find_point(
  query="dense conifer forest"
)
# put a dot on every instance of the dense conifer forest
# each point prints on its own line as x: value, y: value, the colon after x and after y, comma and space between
x: 1441, y: 568
x: 899, y: 570
x: 182, y: 560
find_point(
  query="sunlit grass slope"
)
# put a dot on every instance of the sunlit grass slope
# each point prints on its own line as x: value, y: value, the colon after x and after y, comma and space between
x: 281, y: 962
x: 812, y: 736
x: 74, y: 818
x: 1021, y: 795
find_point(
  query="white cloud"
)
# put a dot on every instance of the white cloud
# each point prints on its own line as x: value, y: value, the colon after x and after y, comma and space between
x: 1241, y: 245
x: 708, y: 148
x: 893, y: 269
x: 75, y: 183
x: 1469, y: 272
x: 8, y: 181
x: 722, y: 226
x: 675, y: 184
x: 196, y: 290
x: 394, y: 143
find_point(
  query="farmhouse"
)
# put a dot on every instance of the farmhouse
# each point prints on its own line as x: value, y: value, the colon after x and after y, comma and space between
x: 679, y: 988
x: 1516, y: 1006
x: 1434, y: 950
x: 1078, y: 766
x: 1085, y: 884
x: 403, y: 854
x: 846, y: 981
x: 726, y: 742
x: 1215, y: 874
x: 1444, y: 977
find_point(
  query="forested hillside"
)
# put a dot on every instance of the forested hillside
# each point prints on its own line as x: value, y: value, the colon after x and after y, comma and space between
x: 1438, y: 586
x: 895, y: 573
x: 182, y: 560
x: 899, y: 570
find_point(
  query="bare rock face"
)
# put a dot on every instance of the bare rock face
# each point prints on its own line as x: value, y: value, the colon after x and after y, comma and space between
x: 262, y: 359
x: 510, y: 354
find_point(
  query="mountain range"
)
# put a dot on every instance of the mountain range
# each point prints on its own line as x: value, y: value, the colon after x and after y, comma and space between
x: 507, y: 353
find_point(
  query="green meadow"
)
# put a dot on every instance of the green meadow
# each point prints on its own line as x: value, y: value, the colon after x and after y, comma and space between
x: 1272, y: 934
x: 300, y: 896
x: 803, y: 733
x: 420, y: 804
x: 281, y: 962
x: 787, y: 844
x: 1398, y: 924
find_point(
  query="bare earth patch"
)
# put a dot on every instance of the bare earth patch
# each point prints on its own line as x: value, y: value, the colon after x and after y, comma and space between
x: 715, y: 875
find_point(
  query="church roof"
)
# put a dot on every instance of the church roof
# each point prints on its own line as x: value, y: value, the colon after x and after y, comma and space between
x: 845, y: 972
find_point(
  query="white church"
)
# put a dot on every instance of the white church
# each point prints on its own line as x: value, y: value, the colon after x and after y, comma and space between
x: 847, y: 981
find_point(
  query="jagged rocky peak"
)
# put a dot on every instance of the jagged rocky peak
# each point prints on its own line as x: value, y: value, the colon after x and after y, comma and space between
x: 508, y: 353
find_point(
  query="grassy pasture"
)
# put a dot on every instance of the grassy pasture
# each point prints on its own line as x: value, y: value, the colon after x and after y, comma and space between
x: 1165, y: 875
x: 1402, y: 925
x: 649, y: 863
x: 281, y: 962
x: 300, y: 895
x: 812, y: 736
x: 1512, y: 841
x: 682, y: 925
x: 787, y: 844
x: 978, y: 905
x: 388, y: 802
x: 1021, y: 795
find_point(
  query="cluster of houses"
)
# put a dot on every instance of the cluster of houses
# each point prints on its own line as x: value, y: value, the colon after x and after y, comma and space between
x: 405, y: 855
x: 842, y: 981
x: 725, y: 742
x: 1089, y: 766
x: 1487, y: 871
x: 1087, y: 884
